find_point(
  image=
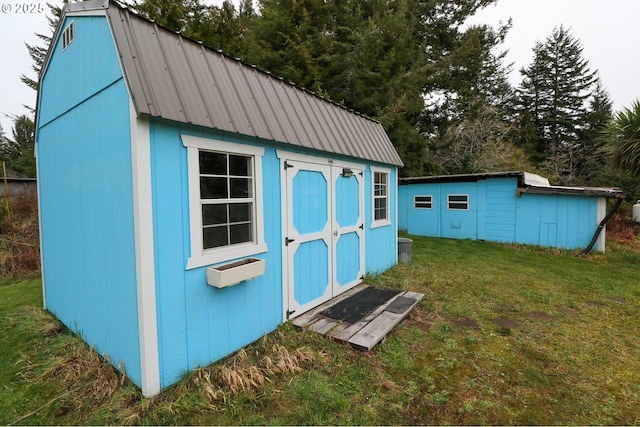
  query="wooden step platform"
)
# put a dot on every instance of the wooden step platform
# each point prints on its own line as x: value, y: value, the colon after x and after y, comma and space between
x: 366, y: 333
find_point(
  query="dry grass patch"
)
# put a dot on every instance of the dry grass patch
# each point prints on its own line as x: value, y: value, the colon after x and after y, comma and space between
x: 241, y: 374
x: 622, y: 230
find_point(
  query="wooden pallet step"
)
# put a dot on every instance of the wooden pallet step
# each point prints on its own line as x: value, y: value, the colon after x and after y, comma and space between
x: 376, y: 330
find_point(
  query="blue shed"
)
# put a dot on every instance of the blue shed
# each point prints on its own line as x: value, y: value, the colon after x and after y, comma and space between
x: 204, y: 201
x: 507, y: 207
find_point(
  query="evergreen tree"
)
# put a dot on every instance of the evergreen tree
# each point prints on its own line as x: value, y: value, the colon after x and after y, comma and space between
x: 39, y: 52
x: 554, y: 92
x: 377, y: 57
x: 17, y: 153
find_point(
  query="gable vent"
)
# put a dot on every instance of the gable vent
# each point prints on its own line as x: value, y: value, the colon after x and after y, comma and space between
x: 67, y: 36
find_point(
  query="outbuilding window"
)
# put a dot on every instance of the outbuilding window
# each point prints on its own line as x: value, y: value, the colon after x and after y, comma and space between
x: 380, y: 181
x: 458, y: 202
x: 225, y: 200
x: 422, y: 202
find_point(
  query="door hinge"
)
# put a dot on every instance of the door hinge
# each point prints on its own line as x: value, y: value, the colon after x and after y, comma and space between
x: 288, y: 240
x: 361, y: 227
x: 287, y: 165
x: 361, y: 173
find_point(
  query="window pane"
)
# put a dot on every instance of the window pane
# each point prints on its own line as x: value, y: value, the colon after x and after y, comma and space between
x: 380, y: 209
x: 214, y: 214
x: 458, y: 206
x: 213, y: 163
x: 458, y: 198
x: 213, y: 237
x: 213, y: 188
x: 240, y: 233
x: 241, y: 188
x: 239, y: 165
x: 239, y: 212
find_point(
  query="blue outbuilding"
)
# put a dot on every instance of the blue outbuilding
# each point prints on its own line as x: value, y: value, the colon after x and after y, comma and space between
x: 507, y: 207
x: 190, y: 203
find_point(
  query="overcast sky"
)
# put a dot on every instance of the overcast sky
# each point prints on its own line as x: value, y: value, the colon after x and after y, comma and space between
x: 608, y: 31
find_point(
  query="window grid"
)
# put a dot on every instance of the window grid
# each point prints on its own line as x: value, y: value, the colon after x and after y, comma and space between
x: 380, y: 196
x: 226, y: 198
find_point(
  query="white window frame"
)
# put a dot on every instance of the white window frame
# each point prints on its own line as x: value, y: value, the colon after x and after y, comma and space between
x: 381, y: 222
x: 68, y: 35
x: 416, y: 202
x: 201, y: 257
x: 449, y: 202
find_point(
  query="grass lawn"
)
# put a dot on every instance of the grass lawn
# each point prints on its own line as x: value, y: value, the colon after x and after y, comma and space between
x: 571, y: 357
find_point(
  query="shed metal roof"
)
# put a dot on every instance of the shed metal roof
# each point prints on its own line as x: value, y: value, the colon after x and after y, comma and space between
x: 176, y: 78
x: 527, y: 183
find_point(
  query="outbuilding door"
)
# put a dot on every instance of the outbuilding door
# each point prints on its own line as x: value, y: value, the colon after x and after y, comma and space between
x: 324, y: 233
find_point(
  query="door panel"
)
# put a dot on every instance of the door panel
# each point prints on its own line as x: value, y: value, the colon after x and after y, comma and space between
x: 309, y: 241
x: 324, y: 243
x: 348, y: 229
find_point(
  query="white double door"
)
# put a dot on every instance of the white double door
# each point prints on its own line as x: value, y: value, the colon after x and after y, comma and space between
x: 324, y: 232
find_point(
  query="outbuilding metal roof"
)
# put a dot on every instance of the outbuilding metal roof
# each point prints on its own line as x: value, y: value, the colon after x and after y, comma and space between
x: 527, y: 183
x: 176, y: 78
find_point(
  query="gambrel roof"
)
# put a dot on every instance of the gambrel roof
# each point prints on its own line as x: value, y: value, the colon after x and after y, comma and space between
x: 176, y: 78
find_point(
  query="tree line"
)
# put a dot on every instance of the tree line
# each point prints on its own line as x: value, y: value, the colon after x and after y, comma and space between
x: 439, y: 87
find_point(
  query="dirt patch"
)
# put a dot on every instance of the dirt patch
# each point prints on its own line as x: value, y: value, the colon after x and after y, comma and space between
x: 421, y: 320
x: 619, y: 300
x: 506, y: 323
x: 538, y: 315
x: 466, y: 323
x: 594, y: 304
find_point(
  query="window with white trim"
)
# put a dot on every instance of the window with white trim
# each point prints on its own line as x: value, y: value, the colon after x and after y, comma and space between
x: 380, y: 200
x: 67, y: 35
x: 458, y: 202
x: 422, y: 202
x: 225, y: 200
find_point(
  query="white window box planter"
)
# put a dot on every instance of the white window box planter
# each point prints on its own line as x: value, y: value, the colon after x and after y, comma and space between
x: 235, y: 272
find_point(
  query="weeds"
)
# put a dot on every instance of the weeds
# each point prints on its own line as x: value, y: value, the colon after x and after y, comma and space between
x: 19, y: 238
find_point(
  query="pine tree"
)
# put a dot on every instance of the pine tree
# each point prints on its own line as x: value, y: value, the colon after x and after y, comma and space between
x: 18, y: 152
x: 555, y: 90
x: 39, y: 52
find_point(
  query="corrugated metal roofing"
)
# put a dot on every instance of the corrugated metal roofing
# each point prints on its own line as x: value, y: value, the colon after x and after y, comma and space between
x: 175, y: 78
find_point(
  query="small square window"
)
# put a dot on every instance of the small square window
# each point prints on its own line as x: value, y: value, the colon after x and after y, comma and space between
x: 67, y: 35
x: 422, y: 202
x: 458, y: 202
